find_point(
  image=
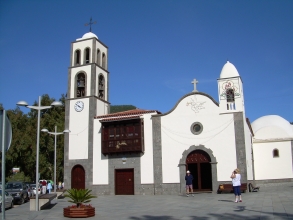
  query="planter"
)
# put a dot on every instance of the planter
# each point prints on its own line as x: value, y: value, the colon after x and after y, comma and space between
x: 79, y: 212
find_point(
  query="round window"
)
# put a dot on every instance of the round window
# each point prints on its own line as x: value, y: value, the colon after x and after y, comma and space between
x: 196, y: 128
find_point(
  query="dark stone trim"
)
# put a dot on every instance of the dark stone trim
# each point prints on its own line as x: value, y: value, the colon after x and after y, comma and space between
x: 292, y: 152
x: 157, y: 156
x: 89, y: 97
x: 132, y: 162
x: 94, y: 50
x: 193, y: 93
x: 240, y: 144
x: 67, y: 174
x: 182, y: 167
x: 89, y: 64
x: 196, y: 132
x: 93, y: 81
x: 71, y: 63
x: 273, y: 182
x: 87, y: 168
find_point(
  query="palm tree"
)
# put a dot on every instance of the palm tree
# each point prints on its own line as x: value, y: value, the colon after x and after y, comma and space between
x: 79, y: 196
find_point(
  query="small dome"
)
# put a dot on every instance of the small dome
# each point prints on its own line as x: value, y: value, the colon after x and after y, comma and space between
x: 272, y: 121
x: 229, y: 70
x: 87, y: 36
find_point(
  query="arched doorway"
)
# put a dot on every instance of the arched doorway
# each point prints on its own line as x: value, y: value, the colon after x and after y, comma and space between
x: 198, y: 163
x: 77, y: 177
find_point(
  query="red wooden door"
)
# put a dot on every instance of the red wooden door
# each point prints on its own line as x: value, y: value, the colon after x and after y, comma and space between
x: 198, y: 163
x: 124, y: 182
x: 77, y: 177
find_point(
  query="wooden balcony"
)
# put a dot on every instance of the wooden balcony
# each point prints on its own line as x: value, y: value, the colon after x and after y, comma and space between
x: 122, y: 146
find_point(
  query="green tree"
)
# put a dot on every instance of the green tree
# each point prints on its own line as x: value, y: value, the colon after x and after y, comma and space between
x: 22, y: 153
x: 121, y: 108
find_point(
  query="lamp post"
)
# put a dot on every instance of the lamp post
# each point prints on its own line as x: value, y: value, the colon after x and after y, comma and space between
x: 38, y: 108
x: 55, y: 134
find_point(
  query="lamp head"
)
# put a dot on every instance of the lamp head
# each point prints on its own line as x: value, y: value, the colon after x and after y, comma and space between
x: 22, y: 103
x: 66, y: 131
x: 56, y: 103
x: 44, y: 130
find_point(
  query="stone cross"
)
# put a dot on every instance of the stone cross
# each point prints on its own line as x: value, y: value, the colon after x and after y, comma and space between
x: 194, y: 82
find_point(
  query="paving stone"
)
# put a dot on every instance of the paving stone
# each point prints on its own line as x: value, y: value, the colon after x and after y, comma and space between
x: 269, y: 203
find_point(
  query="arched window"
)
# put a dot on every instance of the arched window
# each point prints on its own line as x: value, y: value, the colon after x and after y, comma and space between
x: 104, y: 61
x: 101, y: 87
x: 80, y: 85
x: 77, y: 57
x: 230, y: 99
x: 98, y: 57
x: 230, y: 95
x: 87, y: 55
x: 275, y: 153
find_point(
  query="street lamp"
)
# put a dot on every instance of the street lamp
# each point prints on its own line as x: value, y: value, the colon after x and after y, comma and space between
x: 55, y: 134
x: 38, y: 108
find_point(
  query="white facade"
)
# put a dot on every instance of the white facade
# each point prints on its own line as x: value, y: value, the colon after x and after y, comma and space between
x: 273, y: 138
x: 208, y: 137
x: 216, y: 135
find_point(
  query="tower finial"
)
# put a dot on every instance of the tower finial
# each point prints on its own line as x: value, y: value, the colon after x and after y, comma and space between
x: 90, y: 24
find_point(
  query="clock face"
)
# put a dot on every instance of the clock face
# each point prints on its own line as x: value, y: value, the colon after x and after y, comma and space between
x: 78, y: 106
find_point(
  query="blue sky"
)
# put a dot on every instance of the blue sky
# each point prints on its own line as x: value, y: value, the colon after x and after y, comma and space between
x: 156, y: 48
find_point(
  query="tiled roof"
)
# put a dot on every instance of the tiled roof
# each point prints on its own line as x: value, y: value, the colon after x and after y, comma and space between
x: 126, y: 115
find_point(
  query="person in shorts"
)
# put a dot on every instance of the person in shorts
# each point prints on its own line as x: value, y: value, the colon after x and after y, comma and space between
x: 188, y: 179
x: 236, y: 181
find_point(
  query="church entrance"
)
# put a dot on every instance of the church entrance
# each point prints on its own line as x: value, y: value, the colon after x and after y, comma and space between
x: 198, y: 163
x: 124, y: 182
x: 77, y: 177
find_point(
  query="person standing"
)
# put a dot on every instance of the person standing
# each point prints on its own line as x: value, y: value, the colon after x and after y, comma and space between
x: 49, y: 186
x: 188, y: 179
x: 236, y: 181
x: 44, y: 187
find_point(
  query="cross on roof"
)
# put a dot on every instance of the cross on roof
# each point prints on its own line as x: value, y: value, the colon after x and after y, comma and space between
x: 90, y: 24
x: 194, y: 82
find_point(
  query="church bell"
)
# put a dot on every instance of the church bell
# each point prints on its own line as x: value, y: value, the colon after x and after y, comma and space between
x: 80, y: 82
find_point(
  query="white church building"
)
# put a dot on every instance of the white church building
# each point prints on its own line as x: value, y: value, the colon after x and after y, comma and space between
x: 146, y: 152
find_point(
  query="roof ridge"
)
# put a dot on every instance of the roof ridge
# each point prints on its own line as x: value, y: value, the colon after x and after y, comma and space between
x: 128, y: 112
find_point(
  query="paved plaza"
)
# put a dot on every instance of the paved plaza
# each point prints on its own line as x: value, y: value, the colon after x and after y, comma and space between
x: 271, y: 202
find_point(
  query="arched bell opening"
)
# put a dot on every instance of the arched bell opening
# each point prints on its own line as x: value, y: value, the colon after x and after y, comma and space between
x: 80, y: 85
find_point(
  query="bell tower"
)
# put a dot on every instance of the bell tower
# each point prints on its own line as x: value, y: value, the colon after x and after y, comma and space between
x: 230, y: 90
x: 87, y: 97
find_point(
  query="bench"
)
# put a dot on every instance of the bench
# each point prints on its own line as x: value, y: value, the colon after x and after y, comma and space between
x: 44, y: 200
x: 228, y: 188
x: 60, y: 193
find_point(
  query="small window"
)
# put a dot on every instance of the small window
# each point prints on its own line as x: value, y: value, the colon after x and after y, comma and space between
x: 87, y: 55
x: 196, y: 128
x: 275, y: 153
x: 98, y: 57
x: 77, y: 57
x: 104, y: 61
